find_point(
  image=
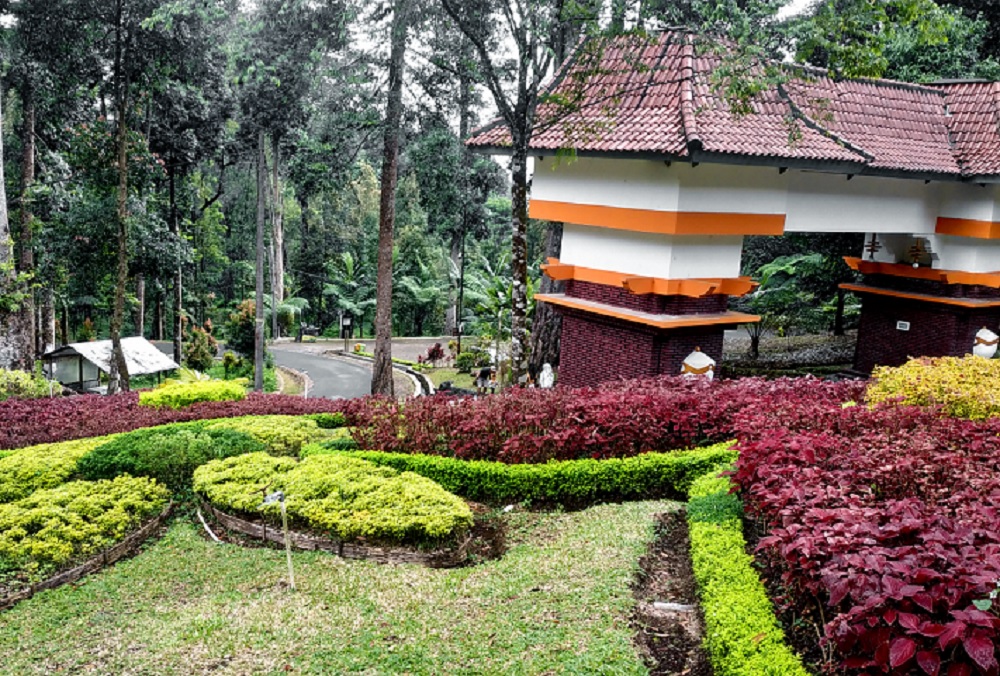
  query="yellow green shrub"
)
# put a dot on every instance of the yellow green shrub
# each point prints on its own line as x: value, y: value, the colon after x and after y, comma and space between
x: 964, y: 387
x: 282, y: 434
x: 178, y: 395
x: 29, y: 469
x: 347, y: 497
x: 53, y: 527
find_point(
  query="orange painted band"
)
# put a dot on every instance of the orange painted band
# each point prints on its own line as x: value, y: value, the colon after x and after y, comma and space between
x: 990, y: 279
x: 645, y: 318
x: 967, y: 227
x: 974, y: 303
x: 987, y: 343
x: 658, y: 222
x: 687, y: 368
x: 694, y: 288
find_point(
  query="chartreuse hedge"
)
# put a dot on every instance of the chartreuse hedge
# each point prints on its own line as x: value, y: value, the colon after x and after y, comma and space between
x: 282, y: 434
x: 964, y: 387
x: 347, y: 497
x: 55, y: 526
x: 179, y: 395
x: 742, y: 636
x: 575, y: 482
x: 26, y: 470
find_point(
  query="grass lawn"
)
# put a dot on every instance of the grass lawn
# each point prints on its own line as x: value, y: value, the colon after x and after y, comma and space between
x: 463, y: 380
x: 558, y: 602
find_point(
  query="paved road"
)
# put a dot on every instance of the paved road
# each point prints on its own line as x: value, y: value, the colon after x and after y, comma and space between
x: 331, y: 378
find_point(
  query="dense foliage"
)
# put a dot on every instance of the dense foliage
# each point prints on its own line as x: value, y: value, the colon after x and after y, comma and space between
x: 569, y: 482
x: 887, y: 517
x: 27, y: 470
x: 27, y: 423
x: 181, y: 395
x: 964, y: 387
x: 52, y: 527
x: 346, y: 497
x: 23, y: 385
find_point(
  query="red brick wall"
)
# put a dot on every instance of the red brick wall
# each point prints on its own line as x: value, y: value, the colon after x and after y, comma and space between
x: 653, y: 303
x: 935, y: 330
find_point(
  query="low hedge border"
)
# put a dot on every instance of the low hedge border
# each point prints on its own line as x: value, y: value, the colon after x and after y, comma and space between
x: 130, y: 545
x: 568, y: 482
x: 182, y: 395
x: 742, y: 635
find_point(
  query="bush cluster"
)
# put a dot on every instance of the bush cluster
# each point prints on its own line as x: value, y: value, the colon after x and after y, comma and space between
x: 53, y: 527
x: 281, y: 434
x: 349, y: 498
x: 887, y: 516
x: 26, y: 470
x: 742, y: 635
x: 569, y: 482
x: 169, y: 454
x: 964, y: 387
x: 40, y: 421
x: 181, y: 395
x: 537, y: 425
x: 16, y: 384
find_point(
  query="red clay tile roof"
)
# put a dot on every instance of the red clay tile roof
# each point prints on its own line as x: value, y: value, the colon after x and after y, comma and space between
x: 655, y: 97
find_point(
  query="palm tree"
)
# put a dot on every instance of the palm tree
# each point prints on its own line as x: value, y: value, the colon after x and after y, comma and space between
x: 350, y: 289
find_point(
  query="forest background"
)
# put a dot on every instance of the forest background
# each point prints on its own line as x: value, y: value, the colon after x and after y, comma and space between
x: 173, y: 166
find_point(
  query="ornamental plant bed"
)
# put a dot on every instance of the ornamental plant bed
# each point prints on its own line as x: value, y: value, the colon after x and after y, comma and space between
x: 887, y: 518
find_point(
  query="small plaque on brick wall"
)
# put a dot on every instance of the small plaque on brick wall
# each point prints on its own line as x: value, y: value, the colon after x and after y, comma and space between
x: 902, y: 326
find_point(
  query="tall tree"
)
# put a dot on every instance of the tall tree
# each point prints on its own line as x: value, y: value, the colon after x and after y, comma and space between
x: 382, y: 369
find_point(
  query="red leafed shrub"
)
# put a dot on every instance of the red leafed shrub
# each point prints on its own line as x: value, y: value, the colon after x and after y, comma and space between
x: 38, y: 421
x: 888, y: 517
x: 537, y: 425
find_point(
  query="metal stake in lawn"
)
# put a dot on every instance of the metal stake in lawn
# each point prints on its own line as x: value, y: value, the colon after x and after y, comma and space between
x: 279, y: 496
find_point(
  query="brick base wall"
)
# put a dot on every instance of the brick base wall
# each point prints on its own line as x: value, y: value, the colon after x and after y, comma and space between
x: 596, y: 349
x: 647, y: 302
x: 936, y: 330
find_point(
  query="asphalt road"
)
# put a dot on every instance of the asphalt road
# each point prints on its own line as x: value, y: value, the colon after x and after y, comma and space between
x: 331, y: 378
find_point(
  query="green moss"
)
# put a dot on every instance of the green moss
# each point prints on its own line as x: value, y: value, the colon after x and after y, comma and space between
x: 742, y: 636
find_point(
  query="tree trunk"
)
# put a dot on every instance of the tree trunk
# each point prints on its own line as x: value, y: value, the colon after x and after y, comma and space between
x: 158, y: 322
x: 48, y: 324
x: 258, y: 334
x: 519, y: 263
x: 140, y: 310
x: 465, y: 86
x: 119, y: 377
x: 277, y: 238
x: 64, y: 324
x: 546, y: 327
x: 382, y: 368
x: 175, y: 230
x: 838, y: 318
x: 27, y: 258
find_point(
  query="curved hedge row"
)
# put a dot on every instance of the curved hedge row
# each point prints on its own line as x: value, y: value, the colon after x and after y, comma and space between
x: 26, y: 470
x: 181, y: 395
x: 742, y: 636
x: 55, y: 526
x: 350, y: 498
x: 571, y: 482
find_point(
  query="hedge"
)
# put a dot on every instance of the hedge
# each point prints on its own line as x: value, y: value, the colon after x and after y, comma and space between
x: 52, y: 527
x: 742, y: 636
x: 568, y: 482
x: 350, y: 498
x: 26, y: 470
x: 964, y: 387
x: 282, y: 434
x: 181, y: 395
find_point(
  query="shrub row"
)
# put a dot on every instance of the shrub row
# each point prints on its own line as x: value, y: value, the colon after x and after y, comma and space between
x: 742, y: 636
x: 537, y: 425
x: 181, y: 395
x: 964, y: 387
x: 27, y: 470
x: 887, y: 516
x: 40, y: 421
x: 349, y: 498
x: 51, y: 528
x: 567, y: 482
x: 24, y: 385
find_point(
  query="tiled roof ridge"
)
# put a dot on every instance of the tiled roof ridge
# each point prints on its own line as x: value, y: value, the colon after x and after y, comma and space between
x: 801, y: 115
x: 815, y: 71
x: 687, y: 96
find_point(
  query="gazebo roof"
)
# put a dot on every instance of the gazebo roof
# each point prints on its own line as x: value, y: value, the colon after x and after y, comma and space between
x: 141, y: 356
x: 653, y: 97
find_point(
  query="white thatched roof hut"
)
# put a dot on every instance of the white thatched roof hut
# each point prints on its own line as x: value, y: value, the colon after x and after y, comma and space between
x: 79, y: 365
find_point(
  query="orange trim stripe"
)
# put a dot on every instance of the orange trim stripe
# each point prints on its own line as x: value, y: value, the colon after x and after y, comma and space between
x: 990, y: 279
x: 967, y: 227
x: 645, y: 318
x: 694, y: 288
x: 960, y: 302
x: 658, y: 222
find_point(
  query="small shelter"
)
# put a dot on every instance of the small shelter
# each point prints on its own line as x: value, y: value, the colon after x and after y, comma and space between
x: 79, y: 365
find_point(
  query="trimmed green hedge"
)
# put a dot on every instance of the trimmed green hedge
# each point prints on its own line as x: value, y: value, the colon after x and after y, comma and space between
x: 53, y: 527
x: 742, y: 636
x: 282, y: 434
x: 347, y: 497
x: 328, y: 421
x: 26, y: 470
x: 169, y: 453
x: 572, y: 482
x: 179, y: 395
